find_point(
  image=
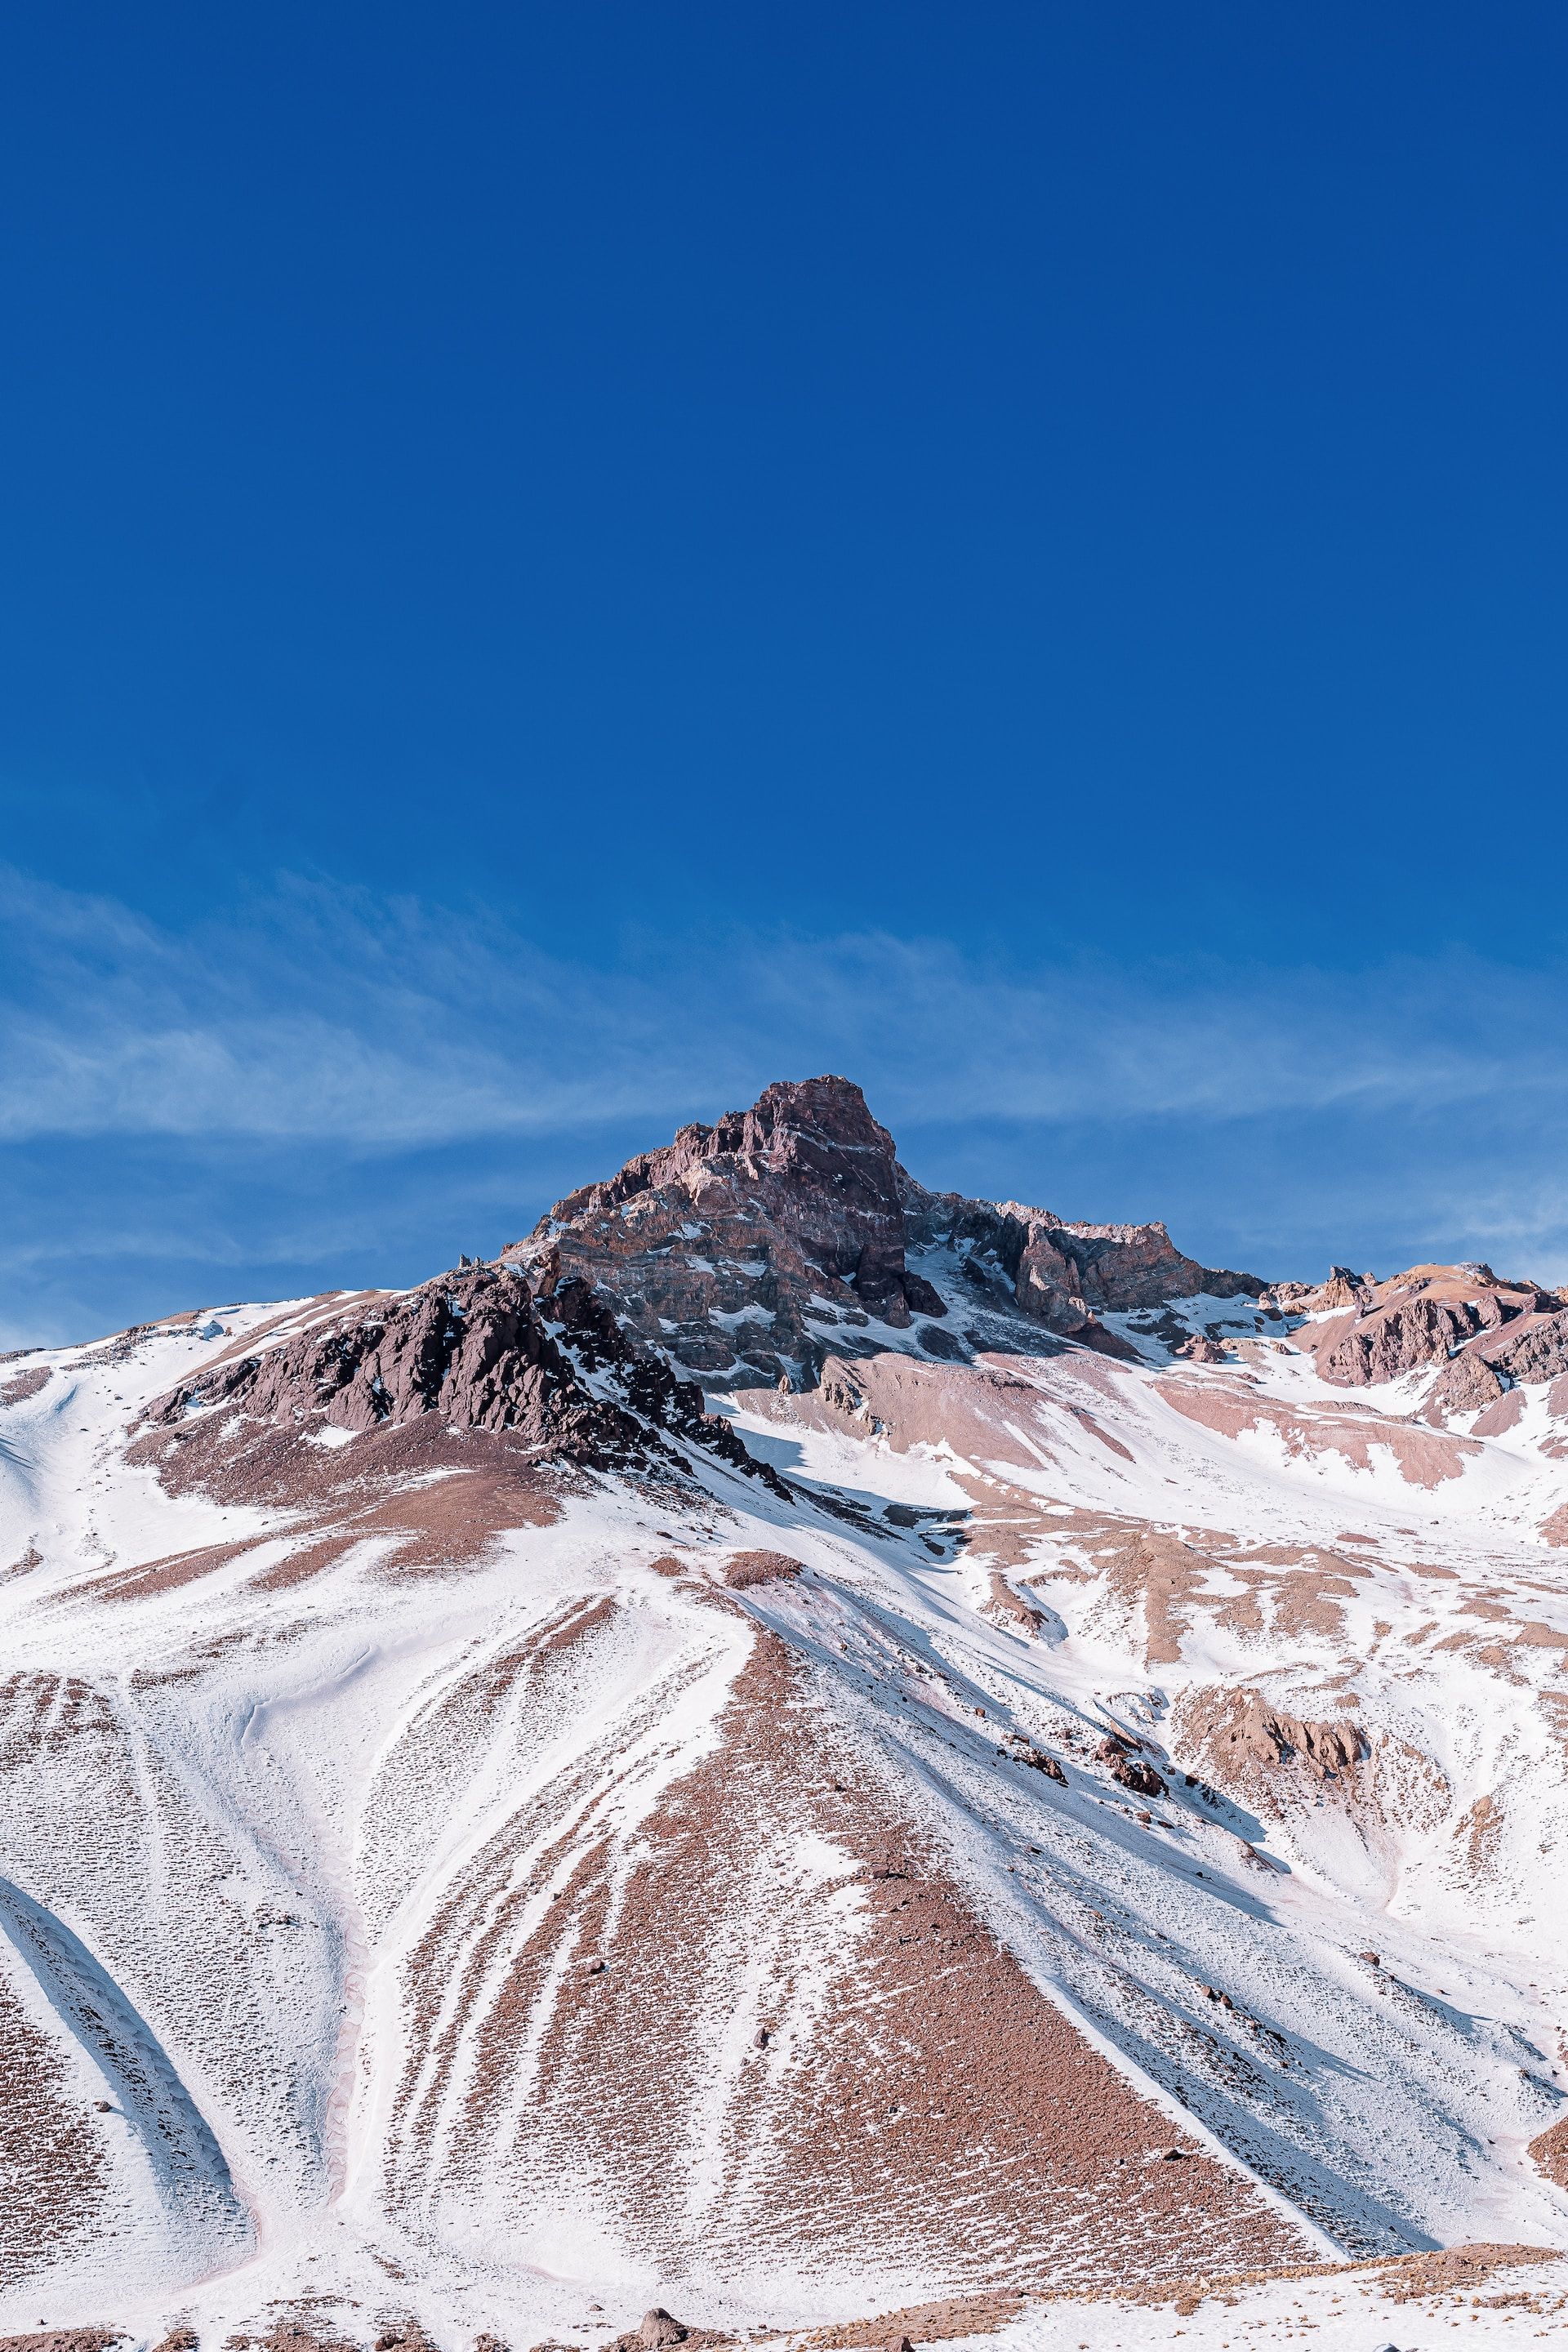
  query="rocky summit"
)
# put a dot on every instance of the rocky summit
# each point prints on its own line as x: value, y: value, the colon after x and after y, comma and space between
x: 751, y: 1251
x: 736, y: 1248
x: 796, y: 1759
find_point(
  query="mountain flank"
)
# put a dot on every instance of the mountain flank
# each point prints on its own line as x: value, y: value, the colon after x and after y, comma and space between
x: 793, y: 1747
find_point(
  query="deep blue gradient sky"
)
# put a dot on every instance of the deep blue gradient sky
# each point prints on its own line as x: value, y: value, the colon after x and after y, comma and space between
x: 556, y: 564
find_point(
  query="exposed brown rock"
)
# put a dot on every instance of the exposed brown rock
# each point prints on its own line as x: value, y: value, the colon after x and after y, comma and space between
x: 64, y: 2339
x: 1128, y: 1768
x: 1399, y: 1338
x: 748, y: 1251
x: 723, y: 1247
x: 1548, y: 2152
x: 747, y: 1568
x: 1022, y: 1751
x: 1537, y: 1350
x: 477, y: 1350
x: 1467, y: 1384
x: 1343, y: 1288
x: 1011, y: 1607
x: 657, y: 2328
x: 1426, y: 1316
x: 1249, y: 1743
x: 1061, y: 1275
x: 469, y: 1346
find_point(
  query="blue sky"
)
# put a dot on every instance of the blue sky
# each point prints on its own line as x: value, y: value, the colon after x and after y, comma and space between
x: 556, y: 564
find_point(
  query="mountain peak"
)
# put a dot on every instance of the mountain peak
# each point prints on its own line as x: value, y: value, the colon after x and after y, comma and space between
x: 738, y: 1248
x: 430, y: 1731
x: 750, y: 1251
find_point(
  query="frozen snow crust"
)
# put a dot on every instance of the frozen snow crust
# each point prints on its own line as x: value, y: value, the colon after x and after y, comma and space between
x: 1011, y: 1813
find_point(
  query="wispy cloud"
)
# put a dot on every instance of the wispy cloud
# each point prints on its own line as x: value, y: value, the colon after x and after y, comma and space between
x: 324, y: 1088
x: 390, y: 1025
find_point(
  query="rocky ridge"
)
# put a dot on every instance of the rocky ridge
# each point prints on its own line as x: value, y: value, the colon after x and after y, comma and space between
x: 751, y: 1251
x: 480, y: 1351
x: 729, y: 1249
x: 1063, y: 1276
x: 1487, y: 1333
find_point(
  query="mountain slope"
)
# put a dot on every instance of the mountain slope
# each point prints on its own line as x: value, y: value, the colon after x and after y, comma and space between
x: 1046, y: 1776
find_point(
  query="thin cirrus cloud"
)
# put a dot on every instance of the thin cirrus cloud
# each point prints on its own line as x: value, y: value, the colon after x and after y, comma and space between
x: 391, y: 1027
x: 321, y: 1088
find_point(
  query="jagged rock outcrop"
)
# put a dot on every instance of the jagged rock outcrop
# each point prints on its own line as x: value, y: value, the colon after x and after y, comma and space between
x: 1343, y: 1288
x: 749, y: 1251
x: 1126, y: 1765
x: 736, y: 1248
x: 1487, y: 1331
x: 1401, y: 1335
x: 476, y: 1348
x: 1061, y: 1274
x: 1466, y: 1384
x: 1533, y: 1346
x: 1245, y: 1740
x: 470, y: 1345
x: 1536, y: 1350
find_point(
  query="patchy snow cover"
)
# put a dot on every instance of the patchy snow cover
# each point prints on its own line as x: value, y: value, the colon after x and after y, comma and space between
x: 495, y: 1919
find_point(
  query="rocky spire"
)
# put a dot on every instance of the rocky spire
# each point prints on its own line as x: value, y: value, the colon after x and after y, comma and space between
x: 746, y: 1250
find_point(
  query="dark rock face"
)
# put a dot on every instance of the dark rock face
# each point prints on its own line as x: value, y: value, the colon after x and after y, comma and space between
x: 476, y: 1348
x: 724, y: 1249
x: 468, y: 1346
x: 1128, y: 1766
x: 1532, y: 1344
x: 588, y: 1327
x: 750, y: 1251
x: 1397, y: 1338
x: 1064, y: 1275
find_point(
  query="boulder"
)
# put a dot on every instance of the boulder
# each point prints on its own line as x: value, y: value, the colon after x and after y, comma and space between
x: 748, y: 1567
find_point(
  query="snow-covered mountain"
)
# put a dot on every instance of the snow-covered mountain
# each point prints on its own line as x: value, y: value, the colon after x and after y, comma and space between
x: 795, y: 1749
